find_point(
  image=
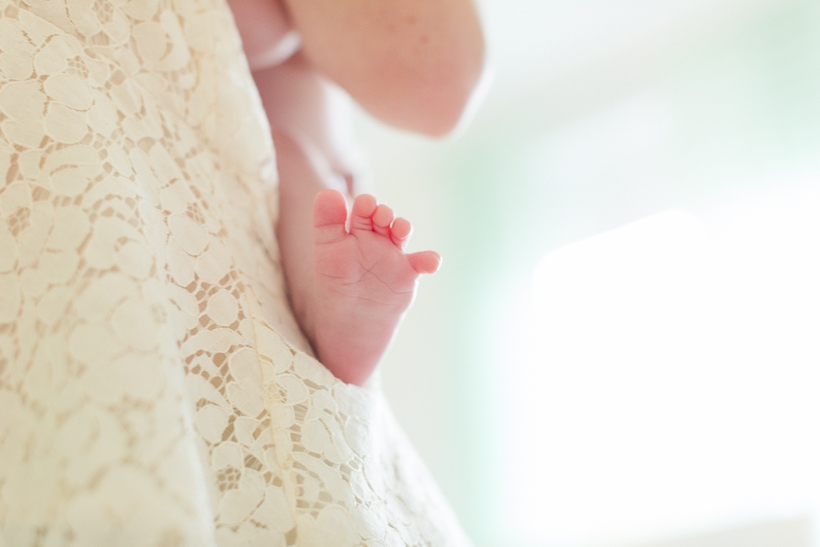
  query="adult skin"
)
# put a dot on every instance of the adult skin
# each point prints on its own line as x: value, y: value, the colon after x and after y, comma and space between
x: 414, y: 64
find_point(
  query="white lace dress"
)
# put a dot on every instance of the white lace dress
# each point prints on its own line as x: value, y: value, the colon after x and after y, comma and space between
x: 154, y: 386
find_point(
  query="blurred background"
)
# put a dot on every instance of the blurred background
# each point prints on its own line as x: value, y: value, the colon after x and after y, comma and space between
x: 622, y: 346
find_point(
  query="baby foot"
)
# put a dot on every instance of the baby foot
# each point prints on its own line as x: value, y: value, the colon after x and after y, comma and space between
x: 364, y: 282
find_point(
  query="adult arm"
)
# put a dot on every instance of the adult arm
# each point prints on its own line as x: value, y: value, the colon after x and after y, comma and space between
x: 414, y: 64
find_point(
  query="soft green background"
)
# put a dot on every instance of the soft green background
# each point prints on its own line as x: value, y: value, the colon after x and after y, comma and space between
x: 601, y: 113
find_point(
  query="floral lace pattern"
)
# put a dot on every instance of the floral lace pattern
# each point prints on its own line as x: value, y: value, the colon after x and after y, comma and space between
x: 154, y: 386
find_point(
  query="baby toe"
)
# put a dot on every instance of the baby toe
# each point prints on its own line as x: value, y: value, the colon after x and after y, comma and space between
x: 364, y: 207
x: 400, y: 231
x: 425, y: 262
x: 382, y: 219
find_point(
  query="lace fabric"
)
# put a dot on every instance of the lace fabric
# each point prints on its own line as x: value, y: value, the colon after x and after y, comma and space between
x: 155, y: 388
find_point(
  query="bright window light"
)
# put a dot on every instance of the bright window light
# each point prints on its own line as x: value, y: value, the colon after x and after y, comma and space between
x: 672, y: 370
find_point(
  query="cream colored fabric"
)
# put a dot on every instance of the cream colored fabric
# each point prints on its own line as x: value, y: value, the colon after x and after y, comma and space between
x: 154, y: 386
